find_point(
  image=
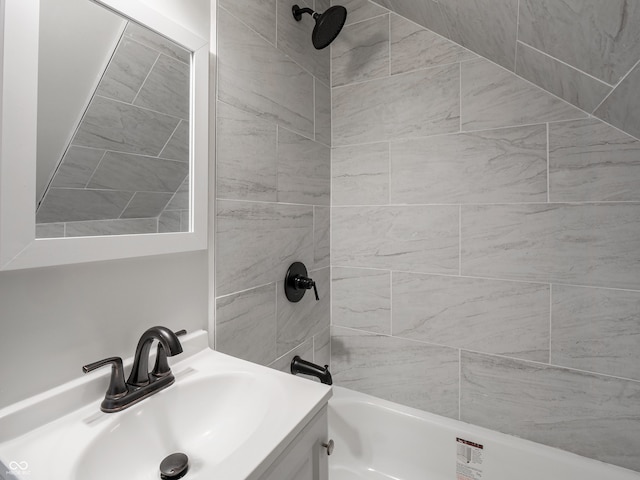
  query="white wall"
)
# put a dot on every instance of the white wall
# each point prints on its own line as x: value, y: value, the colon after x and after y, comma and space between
x: 54, y: 320
x: 187, y: 13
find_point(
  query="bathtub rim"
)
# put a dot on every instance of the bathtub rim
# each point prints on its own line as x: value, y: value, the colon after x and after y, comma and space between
x: 346, y: 396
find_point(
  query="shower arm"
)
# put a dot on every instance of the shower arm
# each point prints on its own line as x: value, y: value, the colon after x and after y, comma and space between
x: 297, y: 12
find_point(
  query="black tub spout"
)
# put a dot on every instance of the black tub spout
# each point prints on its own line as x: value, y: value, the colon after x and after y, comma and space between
x: 298, y: 365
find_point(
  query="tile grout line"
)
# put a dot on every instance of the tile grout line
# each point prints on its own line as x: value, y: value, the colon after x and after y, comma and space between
x: 515, y: 58
x: 143, y: 82
x: 275, y: 321
x: 395, y: 75
x: 389, y: 173
x: 548, y: 169
x: 108, y: 190
x: 391, y: 301
x: 432, y: 31
x: 331, y: 102
x: 462, y: 132
x: 460, y: 241
x: 389, y: 42
x: 140, y: 107
x: 618, y: 129
x: 330, y: 327
x: 495, y: 355
x: 550, y: 317
x: 245, y: 290
x: 460, y: 98
x: 275, y: 318
x: 293, y: 131
x: 131, y: 154
x: 279, y: 357
x: 370, y: 18
x: 622, y: 79
x: 278, y: 127
x: 238, y: 19
x: 169, y: 140
x: 313, y: 349
x: 445, y: 64
x: 125, y: 208
x: 492, y: 279
x: 581, y: 72
x: 481, y: 204
x: 95, y: 170
x: 549, y: 365
x: 459, y: 383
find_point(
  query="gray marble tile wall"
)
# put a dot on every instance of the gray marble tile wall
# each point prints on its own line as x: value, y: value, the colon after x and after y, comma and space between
x: 485, y: 233
x: 129, y: 157
x: 175, y: 216
x: 583, y: 51
x: 273, y: 185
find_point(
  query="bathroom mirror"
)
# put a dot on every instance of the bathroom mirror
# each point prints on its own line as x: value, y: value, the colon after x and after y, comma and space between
x: 104, y: 130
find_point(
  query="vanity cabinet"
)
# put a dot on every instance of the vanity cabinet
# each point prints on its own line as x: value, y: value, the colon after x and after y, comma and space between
x: 305, y: 458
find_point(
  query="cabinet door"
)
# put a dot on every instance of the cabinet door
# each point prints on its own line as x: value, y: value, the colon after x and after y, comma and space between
x: 305, y: 458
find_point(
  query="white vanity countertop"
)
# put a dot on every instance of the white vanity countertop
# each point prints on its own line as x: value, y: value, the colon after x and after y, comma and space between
x: 231, y: 417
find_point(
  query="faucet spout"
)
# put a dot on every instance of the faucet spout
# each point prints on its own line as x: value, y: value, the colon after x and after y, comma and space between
x: 298, y: 365
x: 139, y: 376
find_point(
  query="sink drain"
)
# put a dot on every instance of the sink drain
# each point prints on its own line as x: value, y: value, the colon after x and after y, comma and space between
x: 174, y: 466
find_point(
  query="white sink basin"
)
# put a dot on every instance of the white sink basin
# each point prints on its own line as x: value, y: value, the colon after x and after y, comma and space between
x: 207, y: 419
x: 228, y: 416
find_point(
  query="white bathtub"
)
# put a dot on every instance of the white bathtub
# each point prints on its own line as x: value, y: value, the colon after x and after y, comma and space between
x: 380, y: 440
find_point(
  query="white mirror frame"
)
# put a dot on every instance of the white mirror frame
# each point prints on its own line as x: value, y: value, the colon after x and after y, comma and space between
x: 18, y: 129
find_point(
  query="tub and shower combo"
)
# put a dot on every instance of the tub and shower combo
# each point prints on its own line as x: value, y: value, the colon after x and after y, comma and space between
x: 380, y: 440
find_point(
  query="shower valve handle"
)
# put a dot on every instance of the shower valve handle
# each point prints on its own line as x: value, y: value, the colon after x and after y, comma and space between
x: 296, y: 283
x: 306, y: 283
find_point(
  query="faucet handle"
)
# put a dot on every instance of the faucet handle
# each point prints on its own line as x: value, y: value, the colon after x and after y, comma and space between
x: 296, y: 283
x: 117, y: 387
x: 161, y: 368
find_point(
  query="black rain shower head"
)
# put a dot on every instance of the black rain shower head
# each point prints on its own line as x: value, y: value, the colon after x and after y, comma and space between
x: 328, y: 24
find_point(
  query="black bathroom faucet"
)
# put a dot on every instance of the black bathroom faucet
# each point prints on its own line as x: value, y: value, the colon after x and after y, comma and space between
x: 169, y: 345
x: 141, y: 383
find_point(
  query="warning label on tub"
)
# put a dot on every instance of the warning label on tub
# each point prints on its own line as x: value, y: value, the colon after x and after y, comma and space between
x: 468, y: 460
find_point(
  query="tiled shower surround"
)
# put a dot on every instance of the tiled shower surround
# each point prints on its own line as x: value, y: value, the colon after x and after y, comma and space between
x: 485, y: 234
x: 586, y: 52
x: 126, y: 169
x: 273, y: 170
